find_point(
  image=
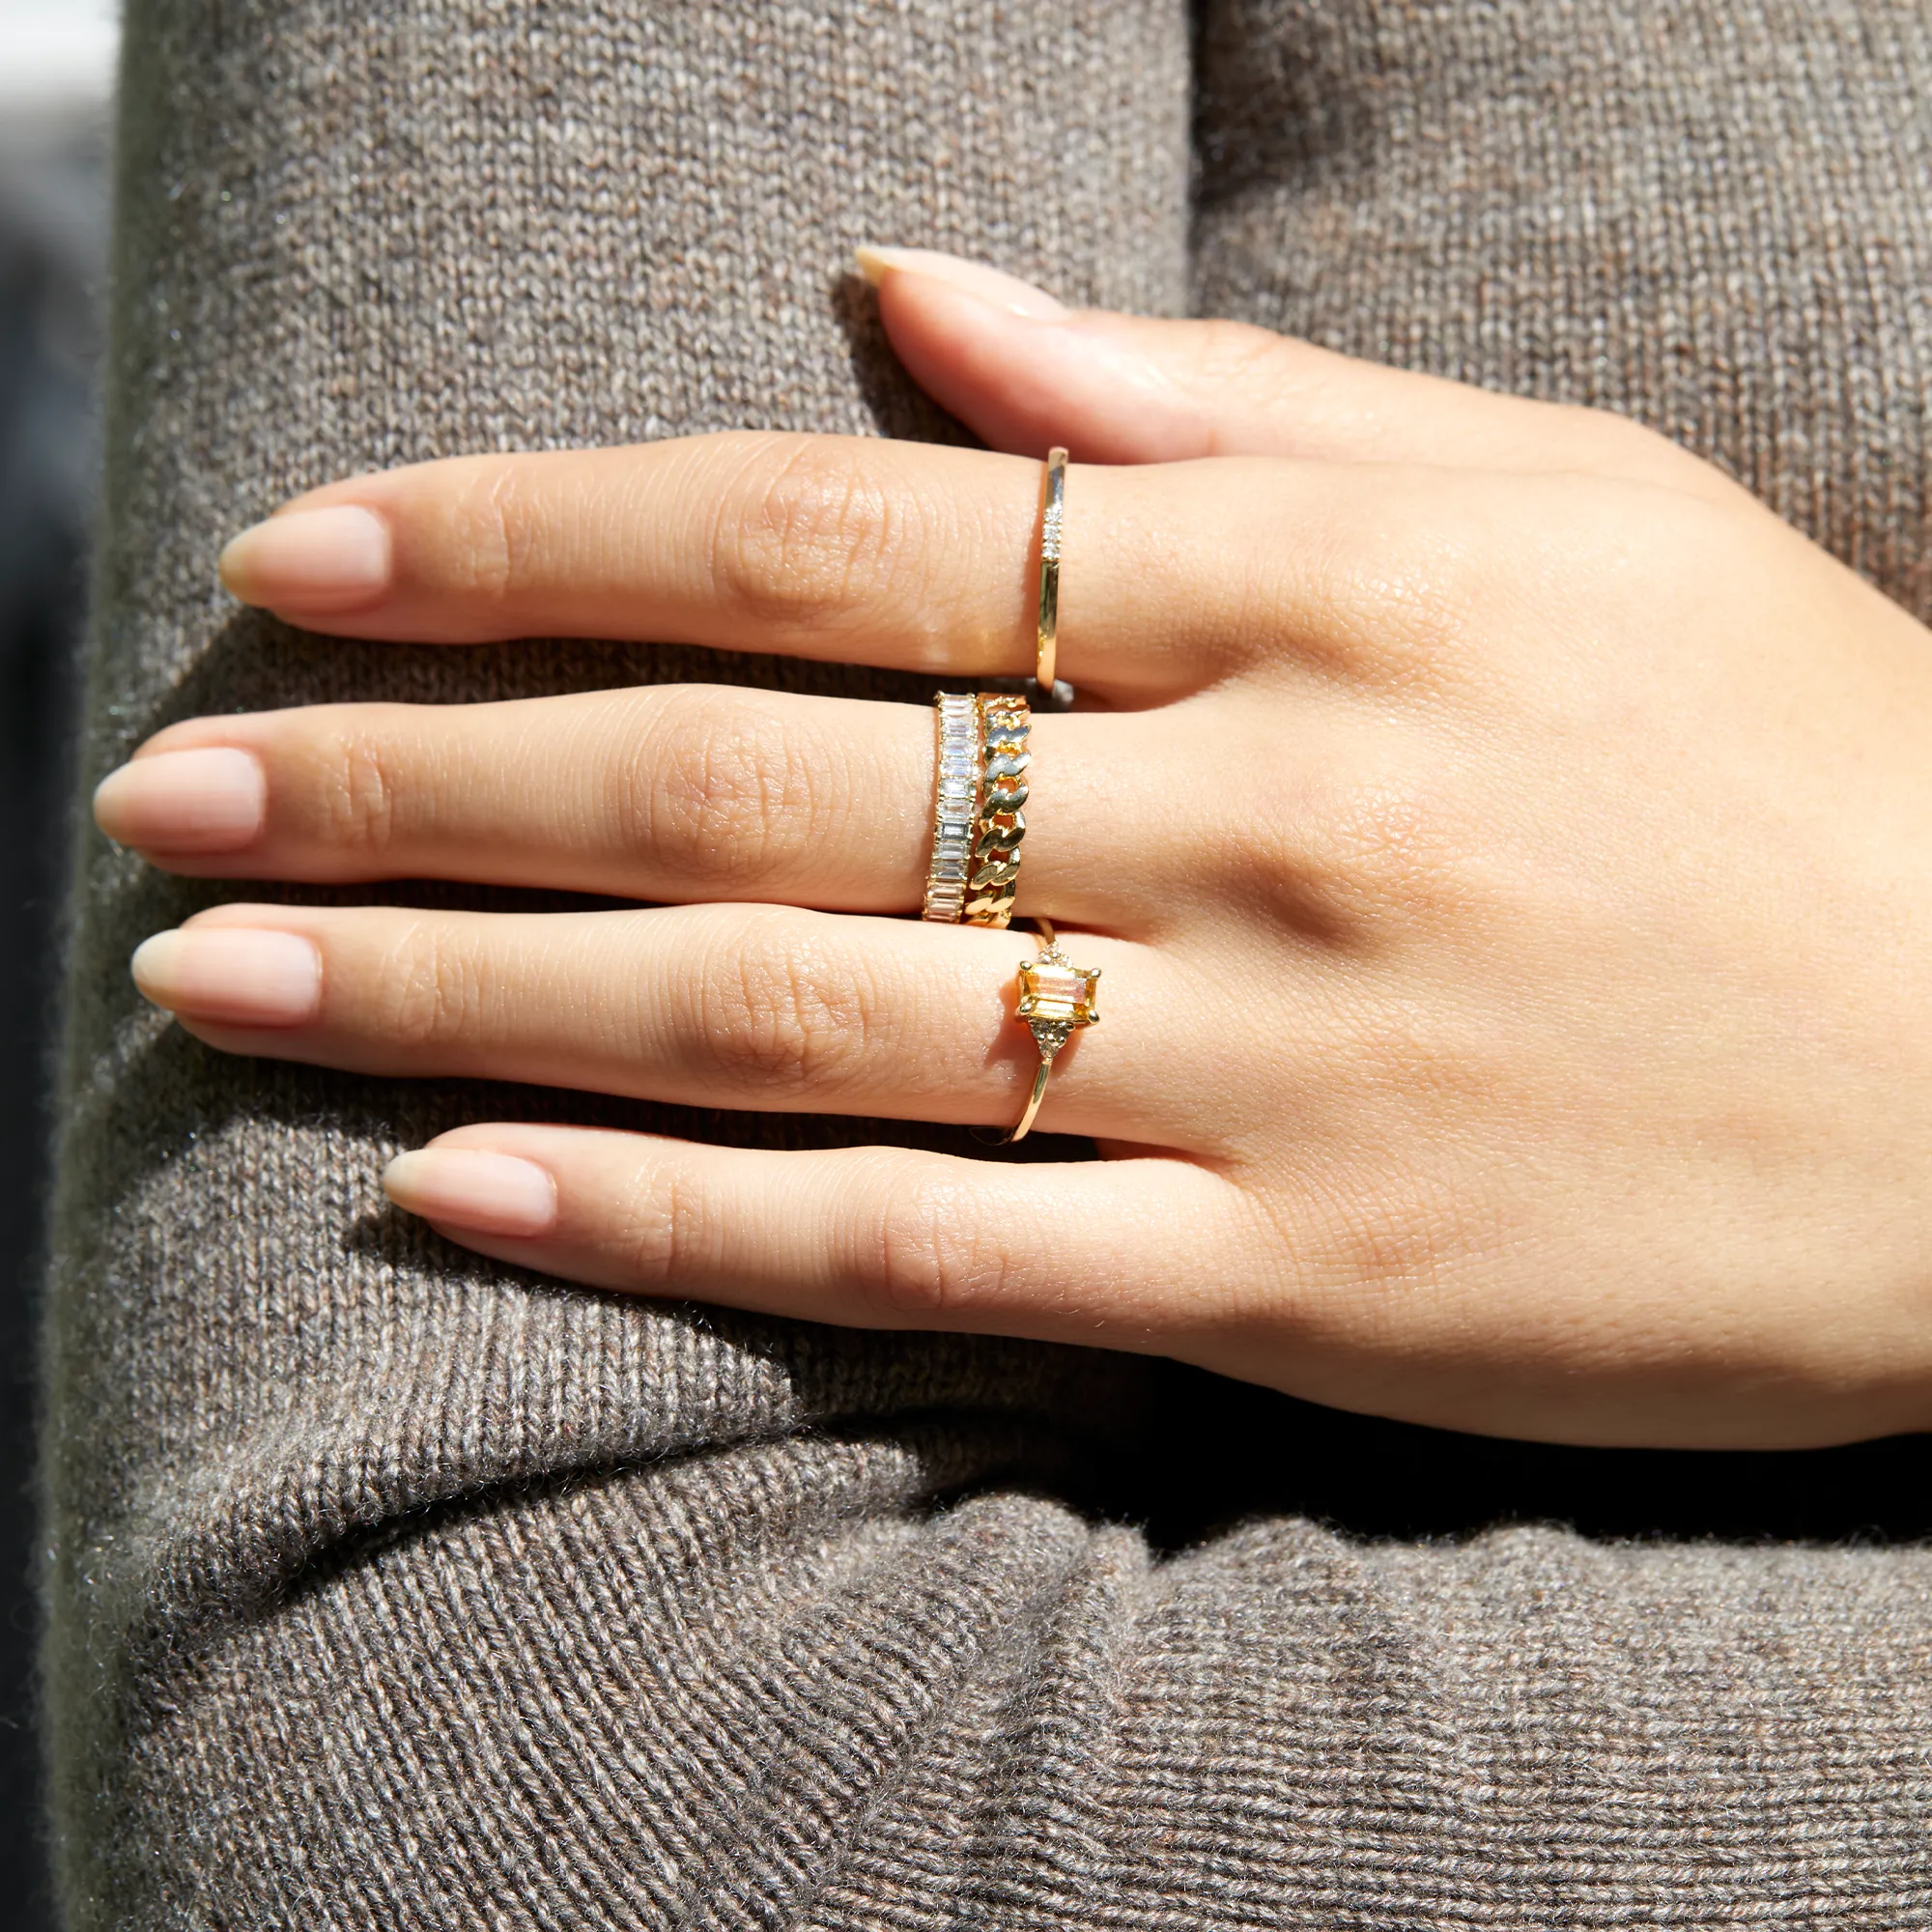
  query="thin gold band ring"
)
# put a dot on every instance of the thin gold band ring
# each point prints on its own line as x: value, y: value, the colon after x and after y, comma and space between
x: 1047, y: 693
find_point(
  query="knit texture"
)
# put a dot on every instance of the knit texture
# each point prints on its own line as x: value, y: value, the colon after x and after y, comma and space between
x: 391, y: 1588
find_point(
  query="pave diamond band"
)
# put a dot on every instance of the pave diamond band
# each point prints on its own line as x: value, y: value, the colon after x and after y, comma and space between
x: 955, y: 805
x: 999, y: 826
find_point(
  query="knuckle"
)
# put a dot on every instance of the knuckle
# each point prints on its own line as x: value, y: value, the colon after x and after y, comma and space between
x: 429, y: 991
x: 1385, y: 583
x: 768, y: 1014
x: 494, y: 526
x: 806, y: 538
x: 717, y: 792
x: 1430, y: 595
x: 1611, y: 553
x: 933, y: 1254
x: 1401, y: 610
x: 1345, y: 856
x: 657, y: 1227
x: 361, y: 791
x: 1385, y: 844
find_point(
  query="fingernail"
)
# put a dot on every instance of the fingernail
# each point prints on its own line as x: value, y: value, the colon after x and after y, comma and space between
x: 465, y: 1188
x: 315, y: 559
x: 989, y: 285
x: 232, y: 975
x: 212, y: 800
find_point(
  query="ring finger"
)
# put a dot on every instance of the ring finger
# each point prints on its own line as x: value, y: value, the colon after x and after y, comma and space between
x: 760, y: 1008
x: 670, y: 793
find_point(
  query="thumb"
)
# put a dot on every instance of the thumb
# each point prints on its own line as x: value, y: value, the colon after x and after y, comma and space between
x: 1024, y: 372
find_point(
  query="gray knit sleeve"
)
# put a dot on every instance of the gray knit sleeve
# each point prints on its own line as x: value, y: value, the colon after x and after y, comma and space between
x: 394, y: 1589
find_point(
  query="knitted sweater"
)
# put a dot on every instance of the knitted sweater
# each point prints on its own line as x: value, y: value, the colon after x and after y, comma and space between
x: 390, y: 1587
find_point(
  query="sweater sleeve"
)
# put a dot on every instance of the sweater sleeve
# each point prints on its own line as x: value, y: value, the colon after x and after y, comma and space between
x: 392, y: 1589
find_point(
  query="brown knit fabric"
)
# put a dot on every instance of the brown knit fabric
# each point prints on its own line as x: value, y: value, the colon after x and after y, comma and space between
x: 391, y: 1588
x: 1712, y: 217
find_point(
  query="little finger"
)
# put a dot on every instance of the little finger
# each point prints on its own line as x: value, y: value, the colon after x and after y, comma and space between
x: 875, y: 1238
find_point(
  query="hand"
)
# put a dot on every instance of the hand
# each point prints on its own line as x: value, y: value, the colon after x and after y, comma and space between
x: 1507, y: 846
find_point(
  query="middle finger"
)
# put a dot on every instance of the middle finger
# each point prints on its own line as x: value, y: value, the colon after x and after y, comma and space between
x: 670, y: 793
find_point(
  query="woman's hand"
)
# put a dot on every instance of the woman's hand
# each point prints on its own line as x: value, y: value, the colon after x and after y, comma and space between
x: 1507, y: 847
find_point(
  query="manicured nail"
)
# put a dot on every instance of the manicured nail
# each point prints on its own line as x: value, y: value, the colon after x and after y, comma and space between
x: 315, y: 561
x: 975, y: 278
x: 465, y: 1188
x: 231, y: 974
x: 212, y: 800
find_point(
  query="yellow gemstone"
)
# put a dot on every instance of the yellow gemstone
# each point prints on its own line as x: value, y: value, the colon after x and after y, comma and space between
x: 1055, y: 992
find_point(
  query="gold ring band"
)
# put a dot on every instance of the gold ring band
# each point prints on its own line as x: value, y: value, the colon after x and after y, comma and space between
x: 1056, y: 999
x: 1000, y: 824
x: 1047, y: 693
x: 1052, y: 509
x: 955, y: 803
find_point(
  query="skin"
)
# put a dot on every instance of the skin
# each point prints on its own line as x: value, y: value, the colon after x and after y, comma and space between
x: 1505, y: 842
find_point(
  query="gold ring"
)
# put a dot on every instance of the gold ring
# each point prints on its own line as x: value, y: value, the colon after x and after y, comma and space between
x: 1047, y: 693
x: 1000, y: 824
x: 1056, y: 996
x: 955, y: 805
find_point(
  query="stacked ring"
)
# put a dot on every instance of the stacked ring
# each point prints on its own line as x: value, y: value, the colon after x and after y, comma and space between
x: 1004, y: 724
x: 1050, y: 693
x: 980, y: 790
x: 955, y: 805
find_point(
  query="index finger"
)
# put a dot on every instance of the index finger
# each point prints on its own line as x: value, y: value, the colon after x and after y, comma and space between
x: 854, y: 549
